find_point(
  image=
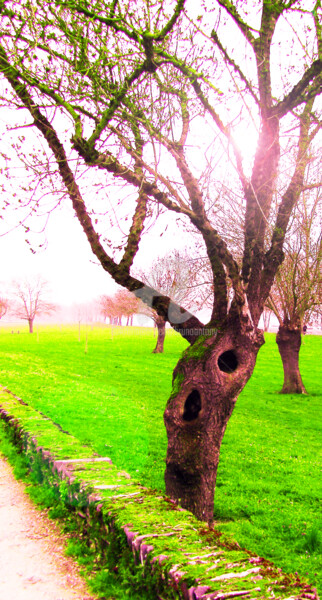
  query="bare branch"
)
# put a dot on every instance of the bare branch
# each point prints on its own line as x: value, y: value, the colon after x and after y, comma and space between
x: 235, y: 66
x: 244, y: 28
x: 302, y: 91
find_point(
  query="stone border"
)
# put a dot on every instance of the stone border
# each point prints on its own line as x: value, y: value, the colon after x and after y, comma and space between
x: 178, y: 556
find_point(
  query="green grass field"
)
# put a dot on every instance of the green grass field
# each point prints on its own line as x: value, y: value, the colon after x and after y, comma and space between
x: 112, y: 397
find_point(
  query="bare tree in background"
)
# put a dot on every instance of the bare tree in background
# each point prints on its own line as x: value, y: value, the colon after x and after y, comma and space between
x: 297, y: 291
x: 127, y: 304
x: 4, y: 304
x: 122, y: 304
x: 156, y: 97
x: 159, y: 322
x: 267, y: 313
x: 85, y: 312
x: 174, y: 275
x: 30, y: 300
x: 108, y: 309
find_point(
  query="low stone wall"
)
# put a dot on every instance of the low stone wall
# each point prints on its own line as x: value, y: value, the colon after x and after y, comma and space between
x: 176, y: 556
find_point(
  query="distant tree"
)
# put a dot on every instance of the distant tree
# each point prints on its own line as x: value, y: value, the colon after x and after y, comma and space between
x: 30, y: 302
x: 85, y: 312
x: 297, y: 290
x: 122, y: 304
x: 173, y: 275
x: 3, y: 306
x: 159, y: 322
x: 109, y: 309
x: 127, y: 305
x: 315, y: 319
x: 267, y: 313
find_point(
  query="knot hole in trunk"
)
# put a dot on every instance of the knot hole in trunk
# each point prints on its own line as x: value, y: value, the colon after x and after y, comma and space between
x: 192, y: 406
x: 227, y: 361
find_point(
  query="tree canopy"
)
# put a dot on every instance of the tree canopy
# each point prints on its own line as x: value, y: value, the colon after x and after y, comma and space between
x: 122, y: 304
x: 124, y: 88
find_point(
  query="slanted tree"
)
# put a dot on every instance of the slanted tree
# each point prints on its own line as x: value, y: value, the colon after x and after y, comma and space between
x: 174, y: 275
x: 297, y: 289
x: 153, y: 95
x: 30, y: 302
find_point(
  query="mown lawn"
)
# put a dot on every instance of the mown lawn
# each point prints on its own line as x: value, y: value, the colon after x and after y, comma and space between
x: 112, y: 397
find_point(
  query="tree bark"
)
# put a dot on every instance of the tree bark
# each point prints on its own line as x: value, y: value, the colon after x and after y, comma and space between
x: 31, y: 325
x: 288, y: 340
x: 160, y: 323
x: 206, y: 384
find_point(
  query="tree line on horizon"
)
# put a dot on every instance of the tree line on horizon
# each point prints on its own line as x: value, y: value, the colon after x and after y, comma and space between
x: 295, y: 298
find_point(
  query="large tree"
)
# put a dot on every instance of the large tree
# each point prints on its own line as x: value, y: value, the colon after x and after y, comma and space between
x: 154, y: 95
x: 297, y: 290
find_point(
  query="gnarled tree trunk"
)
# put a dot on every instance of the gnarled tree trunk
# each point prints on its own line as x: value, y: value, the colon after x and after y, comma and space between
x: 288, y: 340
x: 206, y: 385
x: 160, y: 323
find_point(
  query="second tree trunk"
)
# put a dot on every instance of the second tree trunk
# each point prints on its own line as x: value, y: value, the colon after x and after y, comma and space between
x: 160, y: 323
x: 289, y: 340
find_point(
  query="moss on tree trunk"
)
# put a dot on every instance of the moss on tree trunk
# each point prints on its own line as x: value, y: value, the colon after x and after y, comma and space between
x: 206, y: 385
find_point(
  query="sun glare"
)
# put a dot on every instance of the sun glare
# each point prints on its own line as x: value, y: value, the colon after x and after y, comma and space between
x: 246, y: 139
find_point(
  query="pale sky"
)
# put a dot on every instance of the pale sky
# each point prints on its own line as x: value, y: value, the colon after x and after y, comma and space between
x: 66, y: 260
x: 67, y: 263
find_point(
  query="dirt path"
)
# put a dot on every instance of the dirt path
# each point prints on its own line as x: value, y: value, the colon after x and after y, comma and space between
x: 32, y: 561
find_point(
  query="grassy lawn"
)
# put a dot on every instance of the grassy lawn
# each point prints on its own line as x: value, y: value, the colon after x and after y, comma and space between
x: 113, y: 396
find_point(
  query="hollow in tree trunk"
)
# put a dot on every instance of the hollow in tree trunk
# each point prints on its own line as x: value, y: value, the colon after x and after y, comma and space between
x: 160, y: 323
x: 289, y: 341
x: 206, y: 383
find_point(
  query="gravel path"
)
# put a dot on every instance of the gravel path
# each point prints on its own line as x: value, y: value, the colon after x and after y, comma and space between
x: 32, y: 561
